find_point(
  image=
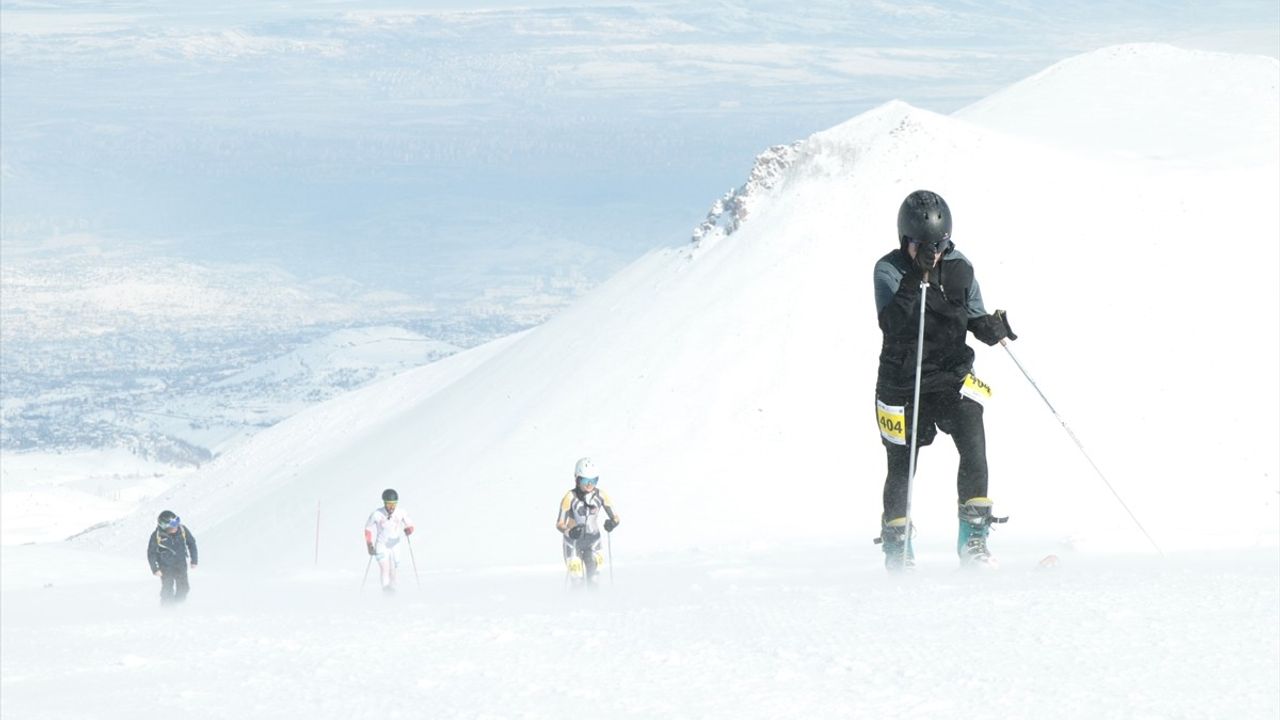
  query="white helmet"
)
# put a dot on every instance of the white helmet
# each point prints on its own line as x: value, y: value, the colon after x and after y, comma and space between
x: 586, y: 468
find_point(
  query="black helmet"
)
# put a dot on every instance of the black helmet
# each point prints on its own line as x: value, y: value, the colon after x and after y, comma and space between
x: 390, y: 495
x: 924, y: 217
x: 167, y: 519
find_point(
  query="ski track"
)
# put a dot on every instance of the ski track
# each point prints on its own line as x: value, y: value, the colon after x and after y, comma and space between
x: 780, y: 635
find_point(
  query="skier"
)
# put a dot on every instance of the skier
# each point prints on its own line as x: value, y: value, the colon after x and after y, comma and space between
x: 387, y: 526
x: 951, y: 396
x: 167, y: 555
x: 578, y: 518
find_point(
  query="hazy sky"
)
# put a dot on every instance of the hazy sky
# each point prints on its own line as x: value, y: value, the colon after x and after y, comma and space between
x: 444, y: 147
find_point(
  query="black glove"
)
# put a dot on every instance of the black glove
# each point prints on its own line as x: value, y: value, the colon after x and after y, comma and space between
x: 1003, y: 317
x: 575, y: 532
x: 925, y: 256
x: 371, y: 550
x: 610, y: 524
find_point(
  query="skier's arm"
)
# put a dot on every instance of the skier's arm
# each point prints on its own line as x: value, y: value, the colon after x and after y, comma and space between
x: 191, y: 546
x: 371, y: 528
x: 990, y: 329
x: 153, y: 554
x: 614, y: 519
x: 408, y: 524
x: 897, y: 294
x: 563, y: 522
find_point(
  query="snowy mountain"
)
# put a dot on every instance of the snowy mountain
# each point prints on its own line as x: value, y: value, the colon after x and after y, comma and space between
x: 713, y: 381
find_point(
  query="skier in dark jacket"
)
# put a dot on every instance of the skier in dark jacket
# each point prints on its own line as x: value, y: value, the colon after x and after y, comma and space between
x: 951, y: 396
x: 167, y: 555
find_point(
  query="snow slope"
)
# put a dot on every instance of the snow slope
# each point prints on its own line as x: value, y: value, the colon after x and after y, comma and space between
x: 714, y: 381
x: 1131, y: 101
x: 725, y: 389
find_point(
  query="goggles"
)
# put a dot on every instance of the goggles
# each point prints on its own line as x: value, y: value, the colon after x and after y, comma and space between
x: 938, y: 247
x: 172, y: 524
x: 588, y: 482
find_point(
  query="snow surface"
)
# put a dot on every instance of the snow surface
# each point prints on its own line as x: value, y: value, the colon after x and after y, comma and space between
x: 725, y: 390
x: 780, y: 633
x: 49, y: 497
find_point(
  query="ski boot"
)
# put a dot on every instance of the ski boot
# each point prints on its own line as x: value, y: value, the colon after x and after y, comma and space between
x: 975, y: 523
x: 895, y: 540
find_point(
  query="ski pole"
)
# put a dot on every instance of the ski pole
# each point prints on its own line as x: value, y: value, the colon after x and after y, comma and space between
x: 915, y: 415
x: 414, y: 560
x: 366, y: 572
x: 609, y: 544
x: 1082, y: 450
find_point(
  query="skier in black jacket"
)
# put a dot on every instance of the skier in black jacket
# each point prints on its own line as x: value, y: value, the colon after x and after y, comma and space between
x: 167, y: 555
x: 950, y: 396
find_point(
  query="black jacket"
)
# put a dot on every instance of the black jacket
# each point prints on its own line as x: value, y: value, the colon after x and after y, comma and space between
x: 953, y: 308
x: 166, y: 551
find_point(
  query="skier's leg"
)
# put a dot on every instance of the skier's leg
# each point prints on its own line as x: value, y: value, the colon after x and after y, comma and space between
x: 166, y: 585
x: 895, y: 535
x: 893, y: 523
x: 383, y: 556
x: 394, y: 564
x: 572, y: 562
x: 963, y: 421
x: 181, y: 584
x: 899, y: 457
x: 895, y: 481
x: 590, y: 551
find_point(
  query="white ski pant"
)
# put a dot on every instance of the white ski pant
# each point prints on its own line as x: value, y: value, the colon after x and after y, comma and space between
x: 388, y: 557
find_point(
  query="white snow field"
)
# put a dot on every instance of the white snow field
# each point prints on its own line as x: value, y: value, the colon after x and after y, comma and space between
x: 726, y: 391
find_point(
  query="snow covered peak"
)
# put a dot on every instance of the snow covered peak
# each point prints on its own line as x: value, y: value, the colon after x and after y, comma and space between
x: 830, y: 154
x: 729, y: 212
x: 1150, y: 101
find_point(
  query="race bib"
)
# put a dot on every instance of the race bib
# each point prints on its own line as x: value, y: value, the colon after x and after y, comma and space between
x: 975, y: 389
x: 893, y: 422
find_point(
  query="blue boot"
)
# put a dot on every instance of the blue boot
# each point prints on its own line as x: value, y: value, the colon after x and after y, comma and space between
x: 975, y: 524
x: 895, y: 540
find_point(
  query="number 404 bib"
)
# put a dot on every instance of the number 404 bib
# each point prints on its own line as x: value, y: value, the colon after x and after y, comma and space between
x: 893, y: 422
x: 893, y: 418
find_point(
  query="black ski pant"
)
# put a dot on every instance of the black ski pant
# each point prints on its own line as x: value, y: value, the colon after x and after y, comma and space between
x: 173, y: 583
x: 955, y: 415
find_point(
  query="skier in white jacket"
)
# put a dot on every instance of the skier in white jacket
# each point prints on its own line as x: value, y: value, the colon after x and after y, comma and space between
x: 386, y: 528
